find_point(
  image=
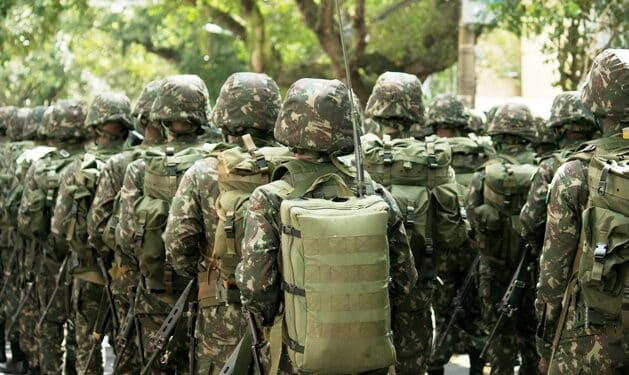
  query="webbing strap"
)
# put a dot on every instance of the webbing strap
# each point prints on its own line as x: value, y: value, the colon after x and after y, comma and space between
x: 292, y: 289
x: 230, y: 234
x: 602, y: 183
x: 260, y: 160
x: 388, y: 160
x: 294, y: 345
x: 289, y: 230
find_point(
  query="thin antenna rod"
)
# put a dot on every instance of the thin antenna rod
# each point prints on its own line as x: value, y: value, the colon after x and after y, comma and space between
x: 360, y: 174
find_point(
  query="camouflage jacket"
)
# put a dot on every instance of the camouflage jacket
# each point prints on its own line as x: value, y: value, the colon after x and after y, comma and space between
x: 132, y: 189
x: 258, y: 274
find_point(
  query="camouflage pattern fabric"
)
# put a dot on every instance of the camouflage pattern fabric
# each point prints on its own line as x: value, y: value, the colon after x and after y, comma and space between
x: 132, y: 189
x: 413, y: 338
x: 397, y: 96
x: 142, y: 108
x: 33, y: 122
x: 15, y: 129
x: 476, y: 123
x: 247, y: 101
x: 66, y: 120
x: 605, y: 90
x: 86, y: 297
x: 6, y: 115
x: 447, y: 111
x: 567, y: 111
x: 513, y: 119
x: 316, y: 117
x: 182, y: 98
x: 109, y: 107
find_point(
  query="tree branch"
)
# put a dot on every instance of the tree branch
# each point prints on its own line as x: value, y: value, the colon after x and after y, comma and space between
x: 228, y: 22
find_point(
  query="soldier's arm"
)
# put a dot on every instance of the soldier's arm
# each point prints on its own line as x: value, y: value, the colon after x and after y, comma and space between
x: 30, y: 190
x: 258, y: 275
x: 566, y: 201
x: 63, y: 204
x: 403, y: 272
x: 533, y: 213
x: 132, y: 189
x: 185, y: 226
x: 474, y: 198
x: 109, y: 184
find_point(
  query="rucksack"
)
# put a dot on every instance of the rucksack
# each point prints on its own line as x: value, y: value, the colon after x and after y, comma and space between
x: 240, y: 171
x: 163, y: 172
x: 603, y: 271
x: 469, y: 153
x: 419, y: 176
x: 335, y: 271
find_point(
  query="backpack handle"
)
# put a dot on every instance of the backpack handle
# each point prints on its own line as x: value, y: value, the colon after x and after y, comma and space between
x: 341, y: 191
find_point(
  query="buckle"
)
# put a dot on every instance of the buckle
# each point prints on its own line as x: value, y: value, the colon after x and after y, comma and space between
x: 410, y: 216
x: 600, y: 251
x: 261, y: 162
x: 429, y: 246
x: 139, y: 236
x: 172, y: 169
x: 229, y: 226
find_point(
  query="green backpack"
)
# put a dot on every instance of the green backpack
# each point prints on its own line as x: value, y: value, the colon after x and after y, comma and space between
x: 469, y: 153
x: 419, y: 176
x: 239, y: 173
x: 603, y: 272
x: 335, y: 273
x: 163, y: 172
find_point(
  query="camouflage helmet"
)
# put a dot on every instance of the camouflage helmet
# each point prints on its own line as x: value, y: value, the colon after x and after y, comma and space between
x: 568, y: 111
x: 247, y: 101
x: 399, y: 96
x: 67, y: 118
x: 109, y: 107
x: 316, y: 116
x: 182, y: 98
x: 33, y: 123
x: 447, y: 111
x: 545, y: 135
x: 475, y: 122
x: 15, y: 131
x: 42, y: 129
x: 606, y: 89
x: 513, y: 119
x: 6, y: 116
x: 490, y: 113
x: 142, y: 108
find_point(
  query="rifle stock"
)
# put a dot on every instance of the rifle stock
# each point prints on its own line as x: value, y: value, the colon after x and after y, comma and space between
x: 110, y: 296
x: 53, y: 296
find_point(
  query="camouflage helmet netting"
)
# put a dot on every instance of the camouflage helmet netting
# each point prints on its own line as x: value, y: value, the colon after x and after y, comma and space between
x: 545, y: 135
x: 475, y: 122
x: 606, y: 89
x: 513, y: 119
x: 109, y: 107
x: 142, y: 107
x: 182, y: 98
x: 34, y: 123
x: 316, y: 116
x: 568, y: 110
x: 247, y: 101
x: 15, y: 131
x: 397, y: 95
x: 447, y: 111
x: 67, y: 120
x: 42, y: 130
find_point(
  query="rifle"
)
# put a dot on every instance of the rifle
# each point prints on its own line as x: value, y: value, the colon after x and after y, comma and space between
x: 110, y: 296
x: 511, y: 299
x: 127, y: 330
x: 246, y: 353
x: 192, y: 318
x: 30, y: 284
x: 60, y: 275
x: 166, y: 330
x: 100, y: 328
x: 458, y: 303
x: 256, y: 343
x: 8, y: 273
x: 134, y: 138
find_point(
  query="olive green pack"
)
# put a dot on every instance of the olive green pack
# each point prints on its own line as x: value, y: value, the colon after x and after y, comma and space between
x: 163, y: 172
x: 335, y: 271
x: 604, y: 266
x: 469, y: 153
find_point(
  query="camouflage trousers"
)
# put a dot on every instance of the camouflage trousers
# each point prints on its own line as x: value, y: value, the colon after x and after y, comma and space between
x: 152, y: 310
x: 596, y: 350
x: 28, y: 339
x: 51, y: 333
x: 86, y: 300
x: 517, y: 334
x: 124, y: 290
x: 218, y: 331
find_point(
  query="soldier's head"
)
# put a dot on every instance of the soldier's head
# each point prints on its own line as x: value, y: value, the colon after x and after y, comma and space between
x: 109, y: 117
x: 6, y: 116
x: 570, y: 121
x: 397, y: 102
x: 182, y: 106
x: 15, y: 131
x: 316, y: 118
x: 447, y: 116
x: 67, y: 121
x: 512, y: 124
x: 33, y: 123
x: 141, y: 114
x: 544, y: 142
x: 490, y: 113
x: 606, y: 90
x: 247, y: 104
x: 475, y: 123
x: 42, y: 129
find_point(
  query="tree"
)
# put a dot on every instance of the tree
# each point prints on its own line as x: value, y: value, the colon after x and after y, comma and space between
x: 577, y: 30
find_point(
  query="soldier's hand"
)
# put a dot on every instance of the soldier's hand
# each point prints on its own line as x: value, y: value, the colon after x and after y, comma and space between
x: 542, y: 366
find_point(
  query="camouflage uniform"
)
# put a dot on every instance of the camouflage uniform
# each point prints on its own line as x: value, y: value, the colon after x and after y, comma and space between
x: 499, y: 256
x: 69, y: 222
x: 308, y: 103
x: 465, y: 336
x: 179, y: 99
x: 192, y: 221
x: 587, y: 344
x: 103, y: 218
x: 64, y: 128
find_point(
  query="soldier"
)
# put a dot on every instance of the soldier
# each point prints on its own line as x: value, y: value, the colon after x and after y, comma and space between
x: 107, y: 117
x: 103, y: 218
x: 494, y: 200
x: 448, y: 118
x: 65, y: 132
x: 310, y: 103
x: 193, y: 218
x: 582, y: 291
x: 544, y: 142
x: 181, y: 109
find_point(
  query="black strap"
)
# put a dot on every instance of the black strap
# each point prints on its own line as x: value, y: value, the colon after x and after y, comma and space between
x: 292, y: 289
x: 294, y: 345
x: 287, y: 229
